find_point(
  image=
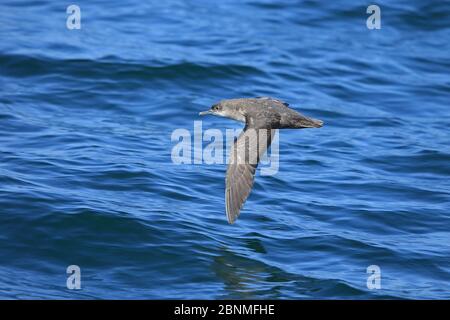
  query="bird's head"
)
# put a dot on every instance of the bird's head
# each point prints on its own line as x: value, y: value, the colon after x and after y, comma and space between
x: 227, y: 109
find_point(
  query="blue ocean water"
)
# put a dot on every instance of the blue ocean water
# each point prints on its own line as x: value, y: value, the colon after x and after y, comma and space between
x: 87, y: 179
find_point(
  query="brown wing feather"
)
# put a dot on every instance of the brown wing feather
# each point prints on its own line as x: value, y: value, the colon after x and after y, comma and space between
x: 244, y: 157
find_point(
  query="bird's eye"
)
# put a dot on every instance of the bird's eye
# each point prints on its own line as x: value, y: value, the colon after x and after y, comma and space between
x: 215, y: 107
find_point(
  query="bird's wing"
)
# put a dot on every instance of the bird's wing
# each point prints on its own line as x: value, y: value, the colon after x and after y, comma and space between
x: 274, y: 100
x: 244, y: 157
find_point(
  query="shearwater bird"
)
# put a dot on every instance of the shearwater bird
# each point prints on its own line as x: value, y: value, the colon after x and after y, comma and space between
x: 262, y: 116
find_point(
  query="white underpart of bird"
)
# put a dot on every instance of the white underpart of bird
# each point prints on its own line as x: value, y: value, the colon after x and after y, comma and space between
x: 262, y: 116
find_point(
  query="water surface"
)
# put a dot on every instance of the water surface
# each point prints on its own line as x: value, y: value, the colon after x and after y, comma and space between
x: 86, y: 176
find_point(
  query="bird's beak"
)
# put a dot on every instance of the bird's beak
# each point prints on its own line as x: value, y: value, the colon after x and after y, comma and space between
x: 306, y: 122
x: 205, y: 112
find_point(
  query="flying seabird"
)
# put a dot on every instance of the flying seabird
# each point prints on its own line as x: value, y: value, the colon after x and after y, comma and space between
x: 262, y: 116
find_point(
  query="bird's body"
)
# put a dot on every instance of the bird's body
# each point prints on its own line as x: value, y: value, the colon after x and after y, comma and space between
x: 261, y: 117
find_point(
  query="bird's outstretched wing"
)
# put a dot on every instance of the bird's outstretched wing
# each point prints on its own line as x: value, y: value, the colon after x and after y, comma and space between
x: 244, y: 157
